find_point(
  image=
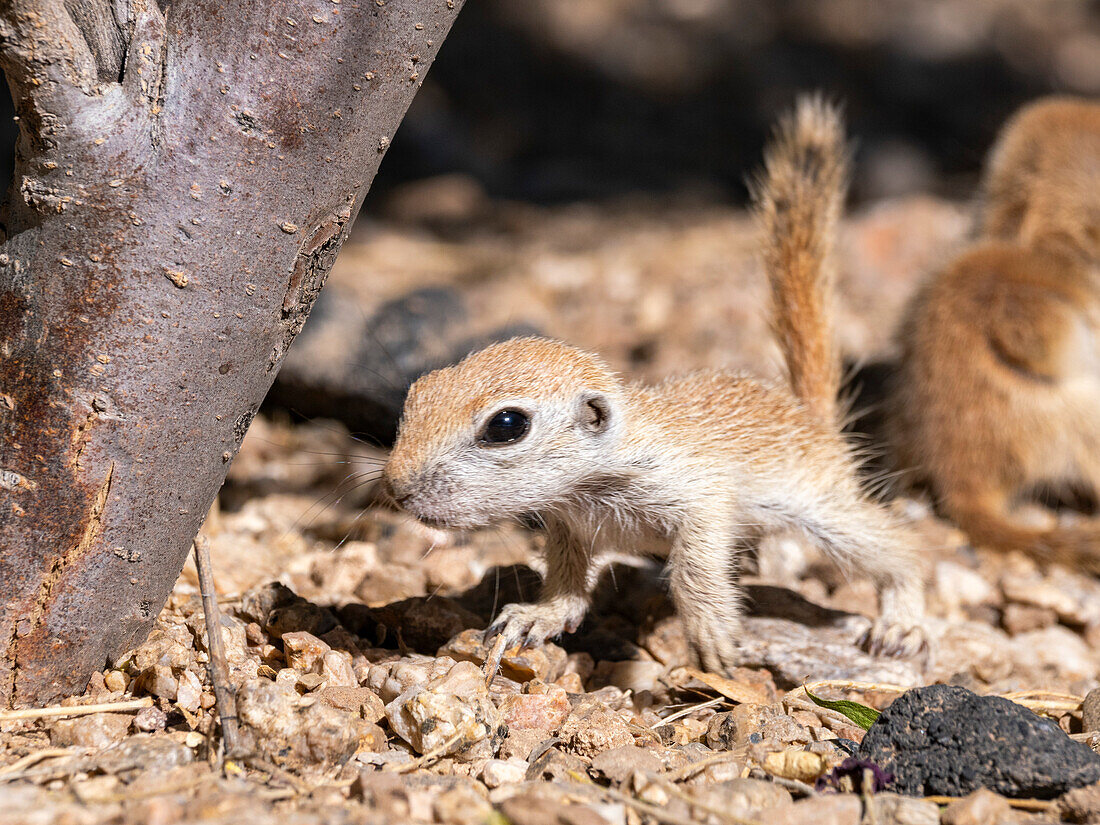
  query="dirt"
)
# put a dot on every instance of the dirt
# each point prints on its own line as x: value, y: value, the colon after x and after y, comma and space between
x: 351, y: 630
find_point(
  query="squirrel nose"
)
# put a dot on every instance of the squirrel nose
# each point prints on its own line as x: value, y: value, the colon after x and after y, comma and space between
x: 394, y: 490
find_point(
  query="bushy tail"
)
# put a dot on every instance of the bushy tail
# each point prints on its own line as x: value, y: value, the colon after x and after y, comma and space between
x: 799, y: 198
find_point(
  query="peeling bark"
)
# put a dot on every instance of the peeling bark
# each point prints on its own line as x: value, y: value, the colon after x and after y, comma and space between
x: 185, y: 175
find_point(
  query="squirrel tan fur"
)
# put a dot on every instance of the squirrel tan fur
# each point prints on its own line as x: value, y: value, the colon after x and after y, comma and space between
x: 997, y: 396
x: 697, y: 465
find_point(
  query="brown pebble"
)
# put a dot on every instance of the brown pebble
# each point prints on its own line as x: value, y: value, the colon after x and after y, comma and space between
x: 900, y: 810
x: 545, y: 710
x: 754, y: 723
x: 359, y: 700
x: 519, y: 743
x: 621, y: 763
x: 116, y: 681
x: 96, y: 731
x: 983, y: 807
x: 1023, y: 618
x: 150, y: 719
x: 842, y: 809
x: 536, y: 809
x: 1090, y: 711
x: 1081, y: 804
x: 593, y: 727
x: 304, y: 651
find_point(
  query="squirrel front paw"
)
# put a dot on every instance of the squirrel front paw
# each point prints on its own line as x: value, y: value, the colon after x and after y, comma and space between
x: 712, y: 644
x: 529, y: 625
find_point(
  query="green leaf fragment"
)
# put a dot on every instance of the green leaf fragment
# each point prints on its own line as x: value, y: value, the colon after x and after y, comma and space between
x: 859, y: 714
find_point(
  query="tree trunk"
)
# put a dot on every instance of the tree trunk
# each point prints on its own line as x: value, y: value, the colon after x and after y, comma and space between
x: 185, y: 175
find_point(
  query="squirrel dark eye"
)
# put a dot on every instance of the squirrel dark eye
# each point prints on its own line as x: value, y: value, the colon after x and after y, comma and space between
x: 505, y: 427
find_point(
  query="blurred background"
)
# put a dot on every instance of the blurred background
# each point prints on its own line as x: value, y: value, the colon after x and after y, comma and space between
x: 556, y: 100
x: 552, y: 100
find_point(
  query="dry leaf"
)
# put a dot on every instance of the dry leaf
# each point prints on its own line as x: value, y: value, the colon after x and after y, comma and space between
x: 740, y: 692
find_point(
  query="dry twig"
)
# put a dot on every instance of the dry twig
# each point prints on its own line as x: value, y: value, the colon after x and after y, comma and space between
x: 1038, y: 805
x: 845, y: 684
x: 1051, y: 705
x: 1017, y: 695
x: 296, y: 785
x: 792, y: 785
x: 34, y: 758
x: 55, y: 711
x: 716, y: 758
x: 219, y: 671
x: 690, y: 709
x: 492, y: 661
x: 826, y: 715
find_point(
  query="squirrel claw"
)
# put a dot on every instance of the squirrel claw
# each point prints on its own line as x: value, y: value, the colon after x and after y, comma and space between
x: 525, y: 625
x: 718, y: 653
x: 893, y: 640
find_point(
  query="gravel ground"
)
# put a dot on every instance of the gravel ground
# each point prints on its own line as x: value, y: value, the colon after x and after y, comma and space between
x: 351, y: 630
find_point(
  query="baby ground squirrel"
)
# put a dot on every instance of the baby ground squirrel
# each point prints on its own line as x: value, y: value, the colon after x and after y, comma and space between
x: 997, y: 396
x: 697, y: 465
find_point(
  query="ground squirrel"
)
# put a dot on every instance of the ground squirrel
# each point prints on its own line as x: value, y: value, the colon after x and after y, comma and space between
x: 997, y: 395
x: 697, y: 465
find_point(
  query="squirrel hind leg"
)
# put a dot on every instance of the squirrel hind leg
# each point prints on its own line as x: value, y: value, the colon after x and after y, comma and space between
x: 899, y: 629
x: 861, y: 536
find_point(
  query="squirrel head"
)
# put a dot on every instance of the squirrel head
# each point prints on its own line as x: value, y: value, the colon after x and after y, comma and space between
x: 515, y: 428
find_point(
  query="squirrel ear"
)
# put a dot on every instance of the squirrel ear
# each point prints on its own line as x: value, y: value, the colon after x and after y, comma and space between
x: 595, y: 413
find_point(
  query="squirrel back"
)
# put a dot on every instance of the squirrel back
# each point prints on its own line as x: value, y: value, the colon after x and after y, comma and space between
x: 798, y: 199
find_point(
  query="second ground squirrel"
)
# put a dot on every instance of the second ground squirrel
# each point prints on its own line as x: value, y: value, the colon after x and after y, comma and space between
x: 997, y: 397
x: 697, y: 466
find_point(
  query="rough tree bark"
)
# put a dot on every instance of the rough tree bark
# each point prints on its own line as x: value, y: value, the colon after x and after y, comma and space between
x: 185, y: 176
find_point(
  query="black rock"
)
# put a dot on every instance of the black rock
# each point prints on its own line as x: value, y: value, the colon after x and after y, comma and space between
x: 946, y: 740
x: 301, y: 615
x: 259, y: 602
x: 422, y: 624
